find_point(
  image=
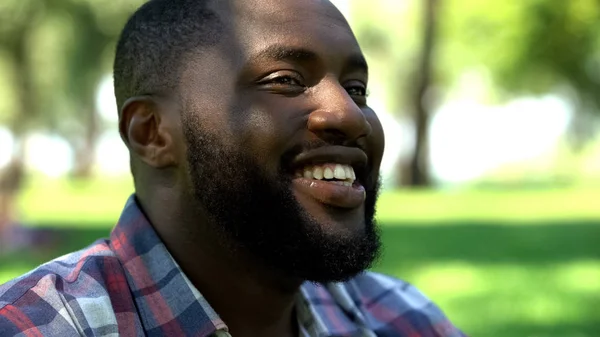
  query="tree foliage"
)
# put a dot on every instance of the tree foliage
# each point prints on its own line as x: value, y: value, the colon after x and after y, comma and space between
x: 58, y: 51
x: 530, y: 47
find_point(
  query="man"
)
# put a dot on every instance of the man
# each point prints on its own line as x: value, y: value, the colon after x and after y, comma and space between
x: 255, y: 159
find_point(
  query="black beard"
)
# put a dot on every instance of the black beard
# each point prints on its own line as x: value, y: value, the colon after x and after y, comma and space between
x: 256, y: 213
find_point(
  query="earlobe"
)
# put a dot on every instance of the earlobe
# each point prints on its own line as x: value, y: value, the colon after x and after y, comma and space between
x: 143, y: 127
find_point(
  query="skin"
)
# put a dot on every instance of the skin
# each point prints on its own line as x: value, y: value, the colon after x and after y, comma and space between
x: 250, y: 101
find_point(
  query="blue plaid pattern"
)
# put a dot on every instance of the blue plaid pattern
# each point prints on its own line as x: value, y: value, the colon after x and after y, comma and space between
x: 129, y: 285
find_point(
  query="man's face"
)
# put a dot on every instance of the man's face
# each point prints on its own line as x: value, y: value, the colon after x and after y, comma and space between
x: 283, y: 151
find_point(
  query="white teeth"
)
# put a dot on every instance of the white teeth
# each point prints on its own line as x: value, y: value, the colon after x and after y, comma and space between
x: 344, y: 174
x: 318, y: 172
x: 339, y: 172
x: 348, y: 171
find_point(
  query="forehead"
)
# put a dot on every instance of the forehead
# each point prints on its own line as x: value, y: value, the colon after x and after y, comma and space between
x: 312, y: 24
x: 282, y: 11
x: 253, y: 27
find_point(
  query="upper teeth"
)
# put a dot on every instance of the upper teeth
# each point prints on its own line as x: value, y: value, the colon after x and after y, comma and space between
x: 330, y: 171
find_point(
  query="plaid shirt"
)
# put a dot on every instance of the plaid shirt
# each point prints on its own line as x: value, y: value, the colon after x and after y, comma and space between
x: 131, y: 286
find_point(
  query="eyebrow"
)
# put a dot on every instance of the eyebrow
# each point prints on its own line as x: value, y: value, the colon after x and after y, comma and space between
x: 285, y: 53
x: 282, y: 53
x: 356, y: 62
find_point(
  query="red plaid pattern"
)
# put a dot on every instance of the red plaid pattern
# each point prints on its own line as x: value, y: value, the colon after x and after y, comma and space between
x: 129, y: 285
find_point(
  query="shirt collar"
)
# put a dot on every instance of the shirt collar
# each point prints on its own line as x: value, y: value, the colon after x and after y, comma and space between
x: 328, y: 310
x: 166, y: 300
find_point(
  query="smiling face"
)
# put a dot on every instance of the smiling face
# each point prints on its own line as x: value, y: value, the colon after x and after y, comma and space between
x: 283, y: 152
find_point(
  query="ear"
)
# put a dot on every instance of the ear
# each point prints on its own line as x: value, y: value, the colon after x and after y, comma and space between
x: 145, y: 129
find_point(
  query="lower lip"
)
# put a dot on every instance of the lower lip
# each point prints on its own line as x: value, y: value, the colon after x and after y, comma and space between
x: 330, y: 193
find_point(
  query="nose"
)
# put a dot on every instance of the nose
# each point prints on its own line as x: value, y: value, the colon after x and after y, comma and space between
x: 338, y: 119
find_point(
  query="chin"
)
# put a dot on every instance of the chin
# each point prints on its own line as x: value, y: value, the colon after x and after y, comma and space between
x: 334, y: 220
x: 343, y: 225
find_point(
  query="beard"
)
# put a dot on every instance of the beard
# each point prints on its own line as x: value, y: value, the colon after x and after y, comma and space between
x: 255, y: 212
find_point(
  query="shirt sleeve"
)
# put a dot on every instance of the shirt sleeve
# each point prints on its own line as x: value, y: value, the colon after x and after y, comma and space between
x: 32, y: 315
x: 37, y: 306
x: 392, y: 307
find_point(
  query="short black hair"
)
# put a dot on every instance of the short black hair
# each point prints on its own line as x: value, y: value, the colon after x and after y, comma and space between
x: 155, y: 41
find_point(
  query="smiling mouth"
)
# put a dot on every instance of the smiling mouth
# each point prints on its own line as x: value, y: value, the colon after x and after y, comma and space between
x: 339, y: 174
x: 330, y: 184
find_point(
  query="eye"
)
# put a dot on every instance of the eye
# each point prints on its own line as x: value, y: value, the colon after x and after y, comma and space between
x: 287, y: 83
x: 357, y: 91
x: 286, y: 80
x: 283, y: 78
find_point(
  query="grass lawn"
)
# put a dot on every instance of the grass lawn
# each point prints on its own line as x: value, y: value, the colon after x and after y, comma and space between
x: 499, y: 263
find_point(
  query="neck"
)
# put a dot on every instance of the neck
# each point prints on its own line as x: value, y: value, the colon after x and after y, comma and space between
x: 247, y: 296
x: 250, y: 304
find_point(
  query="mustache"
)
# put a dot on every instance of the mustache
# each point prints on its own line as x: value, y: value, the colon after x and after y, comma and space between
x: 310, y: 145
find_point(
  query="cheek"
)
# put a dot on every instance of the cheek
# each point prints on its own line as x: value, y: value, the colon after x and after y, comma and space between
x: 266, y: 129
x: 260, y: 137
x: 377, y: 139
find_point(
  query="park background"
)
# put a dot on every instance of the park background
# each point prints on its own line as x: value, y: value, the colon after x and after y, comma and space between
x: 491, y: 201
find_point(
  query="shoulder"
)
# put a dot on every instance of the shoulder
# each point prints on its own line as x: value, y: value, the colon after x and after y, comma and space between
x: 68, y: 295
x: 372, y: 289
x: 390, y: 305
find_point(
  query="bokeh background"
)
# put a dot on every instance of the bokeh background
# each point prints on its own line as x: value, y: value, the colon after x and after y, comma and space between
x: 491, y: 200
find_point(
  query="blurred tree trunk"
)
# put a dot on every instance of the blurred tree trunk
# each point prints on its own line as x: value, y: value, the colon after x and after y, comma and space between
x: 418, y: 168
x: 86, y: 53
x: 22, y: 118
x: 13, y: 175
x: 86, y: 150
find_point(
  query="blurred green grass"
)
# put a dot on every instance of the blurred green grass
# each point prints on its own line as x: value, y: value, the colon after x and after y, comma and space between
x: 66, y: 201
x: 499, y: 263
